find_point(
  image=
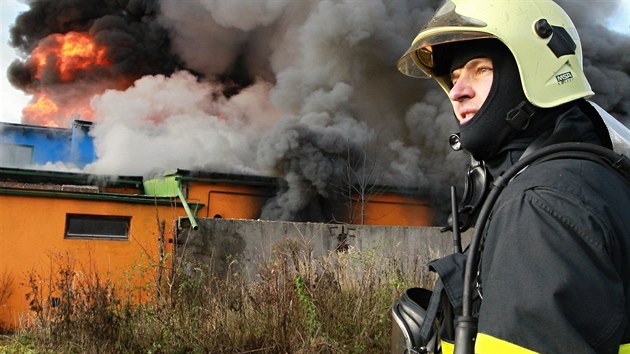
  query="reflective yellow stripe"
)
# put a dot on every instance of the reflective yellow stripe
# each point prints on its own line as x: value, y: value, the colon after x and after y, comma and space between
x: 447, y: 348
x: 489, y: 344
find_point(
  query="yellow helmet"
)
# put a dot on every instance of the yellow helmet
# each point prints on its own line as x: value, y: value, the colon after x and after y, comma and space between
x: 538, y: 33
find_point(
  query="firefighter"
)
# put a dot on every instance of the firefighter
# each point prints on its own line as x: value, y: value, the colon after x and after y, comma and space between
x: 554, y: 269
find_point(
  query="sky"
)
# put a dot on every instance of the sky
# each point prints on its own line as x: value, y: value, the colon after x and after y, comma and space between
x: 12, y: 100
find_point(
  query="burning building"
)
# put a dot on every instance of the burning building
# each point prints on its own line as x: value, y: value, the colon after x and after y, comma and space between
x: 279, y: 93
x: 295, y: 90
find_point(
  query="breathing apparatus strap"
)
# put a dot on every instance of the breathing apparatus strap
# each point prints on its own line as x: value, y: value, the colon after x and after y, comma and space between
x: 538, y: 143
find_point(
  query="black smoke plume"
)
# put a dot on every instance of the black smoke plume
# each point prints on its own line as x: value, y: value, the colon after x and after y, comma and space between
x: 136, y: 44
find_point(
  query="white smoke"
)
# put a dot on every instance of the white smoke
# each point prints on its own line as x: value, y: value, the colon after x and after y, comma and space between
x: 173, y: 122
x: 606, y: 53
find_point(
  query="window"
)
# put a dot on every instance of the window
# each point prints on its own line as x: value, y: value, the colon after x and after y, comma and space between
x: 105, y: 227
x: 13, y: 155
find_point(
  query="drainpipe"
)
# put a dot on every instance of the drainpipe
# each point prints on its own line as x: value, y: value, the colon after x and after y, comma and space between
x: 170, y: 186
x: 191, y: 216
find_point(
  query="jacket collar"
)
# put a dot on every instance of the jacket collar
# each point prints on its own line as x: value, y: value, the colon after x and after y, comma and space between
x: 573, y: 124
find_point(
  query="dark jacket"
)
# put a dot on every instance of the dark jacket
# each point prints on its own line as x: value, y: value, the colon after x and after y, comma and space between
x: 555, y: 265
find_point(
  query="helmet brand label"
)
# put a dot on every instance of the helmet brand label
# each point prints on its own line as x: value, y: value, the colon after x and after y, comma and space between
x: 564, y: 78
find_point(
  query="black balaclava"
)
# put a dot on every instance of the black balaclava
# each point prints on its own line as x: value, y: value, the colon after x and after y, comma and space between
x: 488, y: 131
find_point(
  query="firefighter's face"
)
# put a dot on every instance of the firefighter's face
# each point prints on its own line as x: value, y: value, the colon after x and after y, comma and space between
x: 471, y: 84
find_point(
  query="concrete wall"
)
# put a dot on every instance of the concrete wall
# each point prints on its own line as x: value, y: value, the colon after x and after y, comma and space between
x: 223, y: 243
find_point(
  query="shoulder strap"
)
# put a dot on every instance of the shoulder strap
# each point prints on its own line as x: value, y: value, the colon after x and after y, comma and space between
x: 427, y: 330
x: 450, y: 270
x: 617, y: 162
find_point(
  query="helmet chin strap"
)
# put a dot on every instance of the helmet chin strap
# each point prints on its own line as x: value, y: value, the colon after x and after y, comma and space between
x: 520, y: 117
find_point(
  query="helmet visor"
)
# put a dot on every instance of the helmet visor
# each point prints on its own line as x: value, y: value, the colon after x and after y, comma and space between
x: 446, y: 16
x: 446, y: 26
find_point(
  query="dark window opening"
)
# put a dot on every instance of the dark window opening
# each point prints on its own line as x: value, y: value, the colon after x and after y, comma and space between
x: 79, y: 226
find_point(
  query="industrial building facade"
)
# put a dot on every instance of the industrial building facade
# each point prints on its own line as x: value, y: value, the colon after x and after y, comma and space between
x: 114, y: 224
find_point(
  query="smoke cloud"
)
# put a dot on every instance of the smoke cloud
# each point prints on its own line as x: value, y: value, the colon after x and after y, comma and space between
x: 173, y: 122
x: 303, y: 90
x: 606, y: 55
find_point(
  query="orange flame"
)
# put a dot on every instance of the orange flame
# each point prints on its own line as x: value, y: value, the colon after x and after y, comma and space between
x: 44, y: 110
x: 39, y: 109
x: 70, y: 54
x: 65, y: 58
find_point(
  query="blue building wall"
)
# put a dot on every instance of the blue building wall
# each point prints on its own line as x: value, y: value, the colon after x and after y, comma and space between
x: 71, y: 146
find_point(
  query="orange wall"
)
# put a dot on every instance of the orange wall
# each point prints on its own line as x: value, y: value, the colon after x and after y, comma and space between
x: 32, y: 230
x: 32, y: 236
x: 231, y: 201
x: 393, y: 210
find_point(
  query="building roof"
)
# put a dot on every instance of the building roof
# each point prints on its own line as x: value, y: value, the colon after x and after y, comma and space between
x: 74, y: 178
x: 220, y: 177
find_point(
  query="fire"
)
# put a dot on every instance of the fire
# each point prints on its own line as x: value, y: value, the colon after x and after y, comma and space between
x: 41, y: 108
x: 61, y: 63
x: 69, y: 54
x: 47, y: 111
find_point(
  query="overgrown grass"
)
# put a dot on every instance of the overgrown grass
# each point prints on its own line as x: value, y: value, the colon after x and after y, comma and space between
x: 298, y: 303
